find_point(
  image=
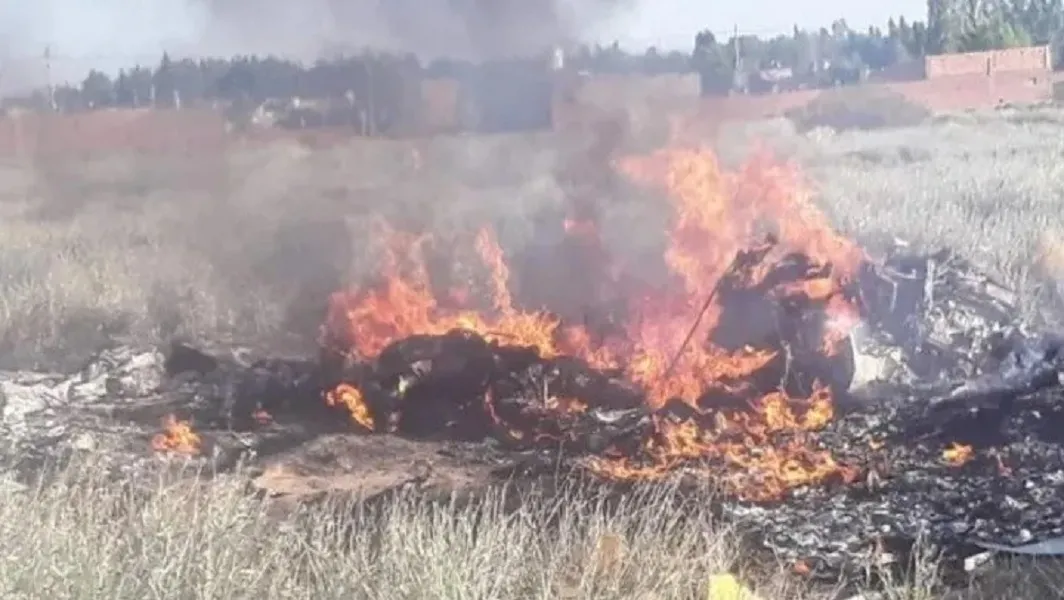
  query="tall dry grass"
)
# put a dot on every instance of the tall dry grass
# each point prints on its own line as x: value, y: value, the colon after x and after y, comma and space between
x: 169, y: 536
x: 988, y: 185
x: 178, y: 535
x: 246, y: 244
x: 251, y: 242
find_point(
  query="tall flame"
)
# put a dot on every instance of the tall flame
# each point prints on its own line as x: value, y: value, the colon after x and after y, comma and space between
x: 716, y: 214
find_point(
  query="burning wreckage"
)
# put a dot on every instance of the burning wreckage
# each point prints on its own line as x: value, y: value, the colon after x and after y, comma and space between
x: 841, y: 402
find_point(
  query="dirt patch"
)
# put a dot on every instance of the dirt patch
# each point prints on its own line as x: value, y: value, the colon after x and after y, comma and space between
x: 360, y: 467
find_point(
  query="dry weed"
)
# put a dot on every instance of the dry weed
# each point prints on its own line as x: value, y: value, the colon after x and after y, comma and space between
x: 250, y: 244
x: 171, y: 536
x: 177, y: 535
x: 858, y: 107
x: 244, y: 245
x: 987, y: 185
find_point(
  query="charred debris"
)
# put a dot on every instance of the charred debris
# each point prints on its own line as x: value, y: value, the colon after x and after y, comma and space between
x: 947, y: 424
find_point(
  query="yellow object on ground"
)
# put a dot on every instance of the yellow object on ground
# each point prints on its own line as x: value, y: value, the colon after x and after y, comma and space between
x: 724, y: 586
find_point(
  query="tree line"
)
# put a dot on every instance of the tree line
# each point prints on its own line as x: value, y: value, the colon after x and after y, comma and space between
x: 840, y: 54
x: 831, y: 55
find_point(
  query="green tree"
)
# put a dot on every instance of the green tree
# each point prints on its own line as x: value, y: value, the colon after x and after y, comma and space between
x: 943, y: 26
x: 97, y: 90
x: 163, y: 83
x: 714, y: 62
x: 805, y: 52
x: 991, y: 25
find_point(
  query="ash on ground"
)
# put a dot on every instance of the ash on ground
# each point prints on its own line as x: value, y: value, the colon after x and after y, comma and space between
x: 969, y: 450
x: 980, y: 475
x: 956, y: 422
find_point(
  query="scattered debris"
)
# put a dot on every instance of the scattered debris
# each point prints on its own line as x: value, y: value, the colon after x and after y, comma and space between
x: 931, y: 458
x: 1005, y: 495
x: 183, y: 358
x: 1049, y: 547
x: 935, y: 317
x: 842, y: 407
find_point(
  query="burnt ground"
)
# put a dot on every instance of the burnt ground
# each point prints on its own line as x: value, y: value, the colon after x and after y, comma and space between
x: 1010, y: 492
x: 144, y: 252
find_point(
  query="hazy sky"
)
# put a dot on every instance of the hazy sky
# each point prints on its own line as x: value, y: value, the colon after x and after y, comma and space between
x: 110, y: 34
x: 674, y: 22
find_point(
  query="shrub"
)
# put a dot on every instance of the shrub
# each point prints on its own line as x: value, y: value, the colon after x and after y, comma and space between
x: 858, y: 107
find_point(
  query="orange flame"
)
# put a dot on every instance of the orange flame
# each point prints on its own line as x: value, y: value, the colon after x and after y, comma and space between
x: 957, y: 455
x: 349, y: 396
x: 716, y: 214
x: 177, y: 437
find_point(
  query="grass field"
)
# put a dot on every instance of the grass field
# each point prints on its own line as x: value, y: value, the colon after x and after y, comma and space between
x: 87, y: 537
x: 248, y: 244
x: 989, y: 185
x: 243, y: 244
x: 176, y: 541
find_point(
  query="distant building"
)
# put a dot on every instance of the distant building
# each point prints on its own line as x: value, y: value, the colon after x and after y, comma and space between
x: 772, y: 80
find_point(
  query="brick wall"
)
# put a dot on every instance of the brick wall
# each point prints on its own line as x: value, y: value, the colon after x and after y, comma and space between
x: 959, y: 92
x: 1035, y: 58
x: 29, y: 136
x: 979, y: 91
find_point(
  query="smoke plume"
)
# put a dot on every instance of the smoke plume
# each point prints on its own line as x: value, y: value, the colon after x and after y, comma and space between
x: 475, y: 29
x: 110, y: 34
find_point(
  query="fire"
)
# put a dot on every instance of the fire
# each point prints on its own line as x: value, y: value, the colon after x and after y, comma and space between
x: 366, y: 322
x: 177, y: 437
x: 350, y: 397
x: 957, y: 455
x: 760, y: 451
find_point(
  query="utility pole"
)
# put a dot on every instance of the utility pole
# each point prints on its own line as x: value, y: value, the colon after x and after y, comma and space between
x: 48, y: 77
x: 735, y: 47
x: 737, y: 65
x: 816, y: 55
x: 371, y: 101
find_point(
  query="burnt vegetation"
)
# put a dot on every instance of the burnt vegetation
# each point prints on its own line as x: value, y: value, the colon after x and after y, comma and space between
x: 931, y: 431
x: 499, y: 418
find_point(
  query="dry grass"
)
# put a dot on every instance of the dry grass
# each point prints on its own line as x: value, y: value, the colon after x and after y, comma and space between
x: 174, y: 536
x: 85, y: 537
x: 248, y: 244
x: 858, y: 107
x: 989, y: 185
